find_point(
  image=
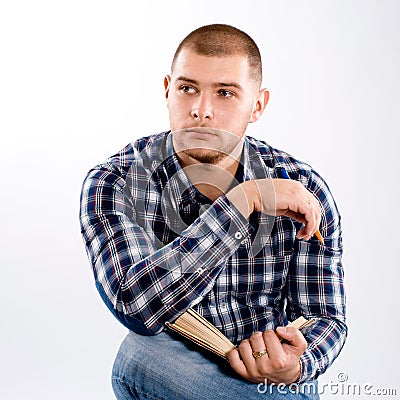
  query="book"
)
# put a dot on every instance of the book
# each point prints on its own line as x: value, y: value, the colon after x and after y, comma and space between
x: 197, y: 329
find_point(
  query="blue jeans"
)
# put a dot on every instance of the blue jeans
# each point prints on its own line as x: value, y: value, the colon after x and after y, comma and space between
x: 163, y: 367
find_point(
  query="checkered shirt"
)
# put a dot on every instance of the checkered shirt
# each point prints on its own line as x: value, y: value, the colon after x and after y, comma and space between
x: 158, y: 246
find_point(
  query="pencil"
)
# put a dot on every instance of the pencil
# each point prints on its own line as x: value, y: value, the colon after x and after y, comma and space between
x: 319, y: 236
x: 317, y: 232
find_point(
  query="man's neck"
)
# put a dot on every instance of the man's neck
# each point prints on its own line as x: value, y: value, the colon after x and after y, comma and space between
x: 212, y: 180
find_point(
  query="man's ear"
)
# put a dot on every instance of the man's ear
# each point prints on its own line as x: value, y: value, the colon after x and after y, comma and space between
x: 167, y: 83
x: 260, y: 103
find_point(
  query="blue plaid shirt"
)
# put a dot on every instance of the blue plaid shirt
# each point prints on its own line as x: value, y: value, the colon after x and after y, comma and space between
x: 158, y: 246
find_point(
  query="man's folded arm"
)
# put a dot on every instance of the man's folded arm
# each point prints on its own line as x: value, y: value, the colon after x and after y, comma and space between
x: 144, y: 286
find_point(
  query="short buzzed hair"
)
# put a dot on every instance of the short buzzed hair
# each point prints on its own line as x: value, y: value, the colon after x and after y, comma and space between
x: 219, y: 40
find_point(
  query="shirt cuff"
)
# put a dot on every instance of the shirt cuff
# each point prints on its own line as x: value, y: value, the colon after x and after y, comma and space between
x: 227, y: 223
x: 308, y: 367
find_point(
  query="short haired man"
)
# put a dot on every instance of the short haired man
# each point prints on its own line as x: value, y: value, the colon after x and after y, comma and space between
x: 200, y: 217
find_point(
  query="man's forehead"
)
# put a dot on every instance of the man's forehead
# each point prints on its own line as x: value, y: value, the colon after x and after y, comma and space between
x: 230, y: 67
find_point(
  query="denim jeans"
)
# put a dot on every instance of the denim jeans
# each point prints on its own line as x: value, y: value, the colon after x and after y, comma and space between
x: 163, y: 367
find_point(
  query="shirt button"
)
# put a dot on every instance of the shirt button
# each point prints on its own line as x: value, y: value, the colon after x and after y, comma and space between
x: 238, y: 235
x: 223, y: 305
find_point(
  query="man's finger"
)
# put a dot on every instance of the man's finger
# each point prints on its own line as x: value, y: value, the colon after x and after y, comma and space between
x: 258, y: 344
x: 246, y: 354
x: 309, y: 208
x: 237, y: 364
x: 276, y: 353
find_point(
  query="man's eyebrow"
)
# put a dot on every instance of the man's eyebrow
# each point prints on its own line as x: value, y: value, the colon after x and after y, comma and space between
x: 217, y: 84
x: 229, y: 84
x: 183, y: 78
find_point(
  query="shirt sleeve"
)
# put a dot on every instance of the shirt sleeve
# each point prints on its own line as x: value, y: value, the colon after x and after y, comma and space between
x: 316, y: 287
x: 142, y: 285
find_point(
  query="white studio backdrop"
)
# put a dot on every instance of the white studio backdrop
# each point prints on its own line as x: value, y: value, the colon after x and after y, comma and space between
x: 81, y: 79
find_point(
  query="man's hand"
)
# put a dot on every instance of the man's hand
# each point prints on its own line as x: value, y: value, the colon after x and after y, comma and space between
x: 280, y: 363
x: 279, y: 197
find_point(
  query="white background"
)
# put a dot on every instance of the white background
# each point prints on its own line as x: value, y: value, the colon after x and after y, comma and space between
x: 81, y: 79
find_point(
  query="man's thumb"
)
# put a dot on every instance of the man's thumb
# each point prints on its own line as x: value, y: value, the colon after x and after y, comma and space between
x: 292, y: 336
x: 287, y: 333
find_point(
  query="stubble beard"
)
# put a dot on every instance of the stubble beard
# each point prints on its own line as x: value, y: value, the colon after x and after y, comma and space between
x: 206, y: 156
x: 209, y: 155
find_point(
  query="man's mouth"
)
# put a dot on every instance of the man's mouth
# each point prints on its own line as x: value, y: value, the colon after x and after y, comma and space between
x: 201, y: 132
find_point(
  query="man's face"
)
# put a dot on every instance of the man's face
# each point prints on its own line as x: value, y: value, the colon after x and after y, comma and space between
x: 210, y: 101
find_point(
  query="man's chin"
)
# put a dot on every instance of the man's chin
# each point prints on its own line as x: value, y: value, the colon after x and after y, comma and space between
x: 205, y: 156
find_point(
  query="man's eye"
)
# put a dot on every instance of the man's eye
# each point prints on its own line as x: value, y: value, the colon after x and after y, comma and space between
x: 225, y: 93
x: 187, y: 89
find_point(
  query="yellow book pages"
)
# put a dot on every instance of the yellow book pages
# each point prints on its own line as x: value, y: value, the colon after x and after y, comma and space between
x: 301, y: 323
x: 197, y: 329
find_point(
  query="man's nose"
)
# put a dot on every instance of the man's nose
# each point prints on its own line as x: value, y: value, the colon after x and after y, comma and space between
x: 203, y: 108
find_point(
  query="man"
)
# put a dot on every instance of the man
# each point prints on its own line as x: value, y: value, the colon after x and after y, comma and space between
x: 200, y: 217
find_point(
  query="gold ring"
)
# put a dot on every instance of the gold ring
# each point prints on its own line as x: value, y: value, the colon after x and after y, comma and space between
x: 258, y: 354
